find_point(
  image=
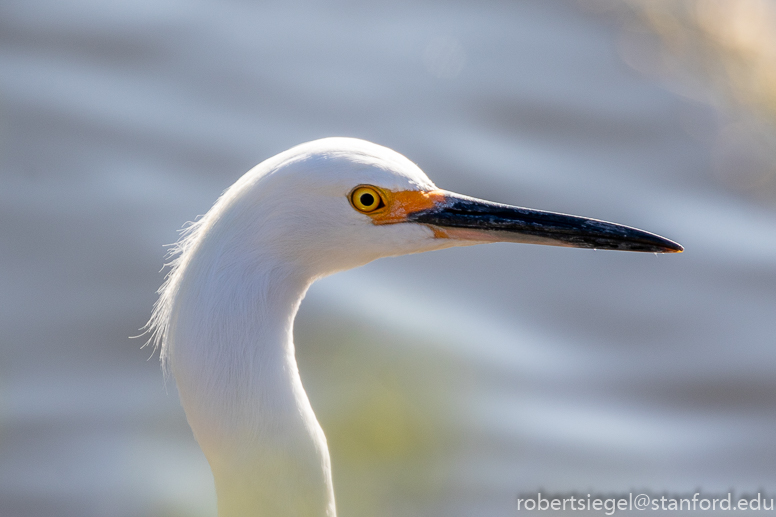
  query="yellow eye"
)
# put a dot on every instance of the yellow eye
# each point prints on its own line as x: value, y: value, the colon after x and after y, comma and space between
x: 366, y: 199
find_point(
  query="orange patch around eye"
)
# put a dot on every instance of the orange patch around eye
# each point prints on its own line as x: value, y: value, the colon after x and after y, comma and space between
x: 398, y: 205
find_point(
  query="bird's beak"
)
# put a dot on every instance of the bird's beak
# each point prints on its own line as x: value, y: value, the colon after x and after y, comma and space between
x: 464, y: 218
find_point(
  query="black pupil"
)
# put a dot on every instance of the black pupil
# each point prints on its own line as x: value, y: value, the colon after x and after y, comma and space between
x: 367, y: 199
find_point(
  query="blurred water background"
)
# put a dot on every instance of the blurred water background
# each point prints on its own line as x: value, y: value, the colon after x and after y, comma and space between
x: 449, y: 382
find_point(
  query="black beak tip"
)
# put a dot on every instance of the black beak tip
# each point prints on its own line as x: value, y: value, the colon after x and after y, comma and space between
x: 673, y: 247
x: 649, y: 242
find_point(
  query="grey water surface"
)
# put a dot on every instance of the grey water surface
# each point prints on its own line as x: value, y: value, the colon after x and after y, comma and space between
x: 447, y: 383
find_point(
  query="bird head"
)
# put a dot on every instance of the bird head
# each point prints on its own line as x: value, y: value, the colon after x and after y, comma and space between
x: 338, y: 203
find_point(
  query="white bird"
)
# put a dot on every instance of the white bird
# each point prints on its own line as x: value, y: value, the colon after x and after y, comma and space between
x: 225, y: 314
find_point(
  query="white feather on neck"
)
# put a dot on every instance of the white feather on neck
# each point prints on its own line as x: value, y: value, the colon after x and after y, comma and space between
x: 226, y: 334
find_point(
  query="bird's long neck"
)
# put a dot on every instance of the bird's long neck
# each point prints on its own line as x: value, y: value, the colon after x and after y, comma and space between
x: 232, y: 354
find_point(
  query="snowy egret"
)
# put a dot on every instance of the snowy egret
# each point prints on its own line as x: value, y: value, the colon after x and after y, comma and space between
x: 225, y: 314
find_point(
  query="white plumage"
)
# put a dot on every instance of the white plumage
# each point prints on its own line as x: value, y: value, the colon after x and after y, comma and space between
x: 224, y: 318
